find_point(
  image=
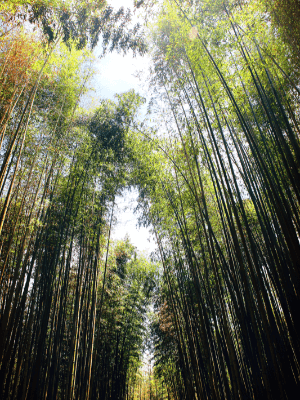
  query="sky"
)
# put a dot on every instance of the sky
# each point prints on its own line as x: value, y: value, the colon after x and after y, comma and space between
x: 115, y: 74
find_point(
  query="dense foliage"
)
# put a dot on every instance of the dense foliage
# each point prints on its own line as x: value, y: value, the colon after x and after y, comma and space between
x: 217, y: 171
x: 73, y: 304
x: 220, y: 187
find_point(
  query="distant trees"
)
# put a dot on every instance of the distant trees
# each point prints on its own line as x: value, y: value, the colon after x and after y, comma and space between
x: 121, y: 324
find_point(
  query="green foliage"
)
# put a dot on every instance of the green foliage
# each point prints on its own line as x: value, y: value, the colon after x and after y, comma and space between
x: 83, y: 23
x: 218, y: 184
x: 128, y: 293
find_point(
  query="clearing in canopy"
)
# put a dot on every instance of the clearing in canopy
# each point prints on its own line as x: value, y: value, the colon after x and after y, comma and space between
x: 213, y: 312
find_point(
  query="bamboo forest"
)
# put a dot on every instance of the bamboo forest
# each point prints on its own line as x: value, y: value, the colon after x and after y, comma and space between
x: 212, y: 151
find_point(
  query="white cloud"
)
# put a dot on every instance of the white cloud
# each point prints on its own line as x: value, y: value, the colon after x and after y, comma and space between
x: 116, y: 73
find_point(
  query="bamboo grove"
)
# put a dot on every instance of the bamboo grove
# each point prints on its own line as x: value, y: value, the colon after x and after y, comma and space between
x: 222, y: 196
x: 217, y: 171
x: 73, y: 304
